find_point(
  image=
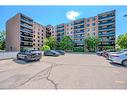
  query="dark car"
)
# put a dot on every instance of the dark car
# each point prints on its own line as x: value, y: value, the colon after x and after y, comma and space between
x: 29, y: 55
x: 100, y: 53
x: 61, y: 52
x: 51, y: 53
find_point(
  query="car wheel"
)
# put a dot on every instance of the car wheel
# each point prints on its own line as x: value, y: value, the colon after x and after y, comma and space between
x: 18, y: 57
x: 26, y: 59
x: 124, y: 63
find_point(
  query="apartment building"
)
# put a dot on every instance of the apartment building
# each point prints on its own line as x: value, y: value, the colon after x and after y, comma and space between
x: 79, y: 30
x: 54, y: 32
x: 106, y: 29
x: 60, y: 29
x: 19, y: 33
x: 49, y: 29
x: 39, y: 33
x: 23, y: 32
x: 91, y: 26
x: 69, y: 31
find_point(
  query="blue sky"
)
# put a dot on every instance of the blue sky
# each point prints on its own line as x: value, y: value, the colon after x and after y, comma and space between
x: 58, y: 14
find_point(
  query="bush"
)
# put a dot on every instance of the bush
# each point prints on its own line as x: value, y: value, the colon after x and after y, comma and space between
x: 78, y: 49
x: 45, y: 47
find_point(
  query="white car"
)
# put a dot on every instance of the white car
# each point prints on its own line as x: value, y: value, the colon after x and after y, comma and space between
x: 119, y: 57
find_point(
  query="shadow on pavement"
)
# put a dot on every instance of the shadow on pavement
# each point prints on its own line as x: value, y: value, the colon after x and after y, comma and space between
x: 118, y: 65
x: 23, y: 62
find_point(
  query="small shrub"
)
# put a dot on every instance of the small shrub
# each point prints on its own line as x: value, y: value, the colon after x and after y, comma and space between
x: 78, y: 49
x: 45, y: 47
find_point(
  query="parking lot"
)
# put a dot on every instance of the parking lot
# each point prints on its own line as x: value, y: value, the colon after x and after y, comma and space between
x: 71, y: 71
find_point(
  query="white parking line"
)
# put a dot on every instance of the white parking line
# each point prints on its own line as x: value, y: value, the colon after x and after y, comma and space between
x: 119, y: 82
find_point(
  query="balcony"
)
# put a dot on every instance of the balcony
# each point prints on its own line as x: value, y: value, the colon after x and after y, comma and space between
x: 107, y: 44
x: 79, y: 41
x: 26, y: 26
x: 78, y: 36
x: 79, y: 27
x: 26, y: 21
x: 60, y: 30
x: 108, y: 28
x: 106, y: 23
x: 26, y: 44
x: 107, y: 34
x: 79, y: 32
x: 106, y: 17
x: 77, y: 23
x: 107, y: 40
x: 26, y: 31
x: 26, y: 39
x: 62, y: 26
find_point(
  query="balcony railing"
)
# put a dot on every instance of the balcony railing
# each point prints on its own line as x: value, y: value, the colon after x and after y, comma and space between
x: 106, y: 23
x: 107, y: 40
x: 76, y: 23
x: 107, y: 34
x: 60, y: 26
x: 78, y: 27
x: 80, y: 31
x: 26, y: 44
x: 26, y: 39
x: 27, y: 26
x: 79, y: 41
x: 26, y: 31
x: 106, y: 17
x: 108, y: 28
x: 27, y: 21
x: 78, y: 36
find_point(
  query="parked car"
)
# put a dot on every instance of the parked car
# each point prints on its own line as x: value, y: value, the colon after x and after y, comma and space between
x: 120, y: 58
x: 51, y: 53
x: 61, y: 52
x: 118, y: 52
x: 29, y: 55
x: 100, y: 53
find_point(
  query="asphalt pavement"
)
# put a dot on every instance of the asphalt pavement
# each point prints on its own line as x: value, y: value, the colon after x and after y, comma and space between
x: 71, y: 71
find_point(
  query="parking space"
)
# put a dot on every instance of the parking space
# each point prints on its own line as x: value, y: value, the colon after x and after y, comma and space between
x: 70, y: 71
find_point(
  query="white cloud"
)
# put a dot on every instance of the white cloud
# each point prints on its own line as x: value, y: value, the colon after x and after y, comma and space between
x: 71, y: 15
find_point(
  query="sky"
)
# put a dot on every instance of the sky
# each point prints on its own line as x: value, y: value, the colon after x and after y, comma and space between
x: 63, y: 14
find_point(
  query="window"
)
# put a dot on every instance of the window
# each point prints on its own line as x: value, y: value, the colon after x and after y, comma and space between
x: 38, y: 41
x: 94, y: 33
x: 125, y: 54
x: 93, y: 18
x: 93, y: 29
x: 88, y: 25
x: 93, y: 24
x: 88, y: 20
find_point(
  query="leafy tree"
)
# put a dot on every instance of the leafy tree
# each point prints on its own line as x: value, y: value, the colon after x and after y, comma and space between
x: 51, y: 42
x: 91, y: 43
x: 122, y: 41
x: 66, y: 43
x: 2, y: 40
x: 45, y: 47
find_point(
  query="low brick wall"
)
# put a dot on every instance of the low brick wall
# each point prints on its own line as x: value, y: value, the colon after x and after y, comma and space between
x: 7, y: 55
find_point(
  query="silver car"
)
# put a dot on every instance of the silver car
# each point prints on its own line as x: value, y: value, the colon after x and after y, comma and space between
x: 119, y: 57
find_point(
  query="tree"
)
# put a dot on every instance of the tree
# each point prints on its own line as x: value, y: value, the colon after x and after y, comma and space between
x: 91, y: 43
x: 45, y: 47
x: 51, y: 42
x: 2, y: 40
x: 66, y: 43
x: 122, y: 41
